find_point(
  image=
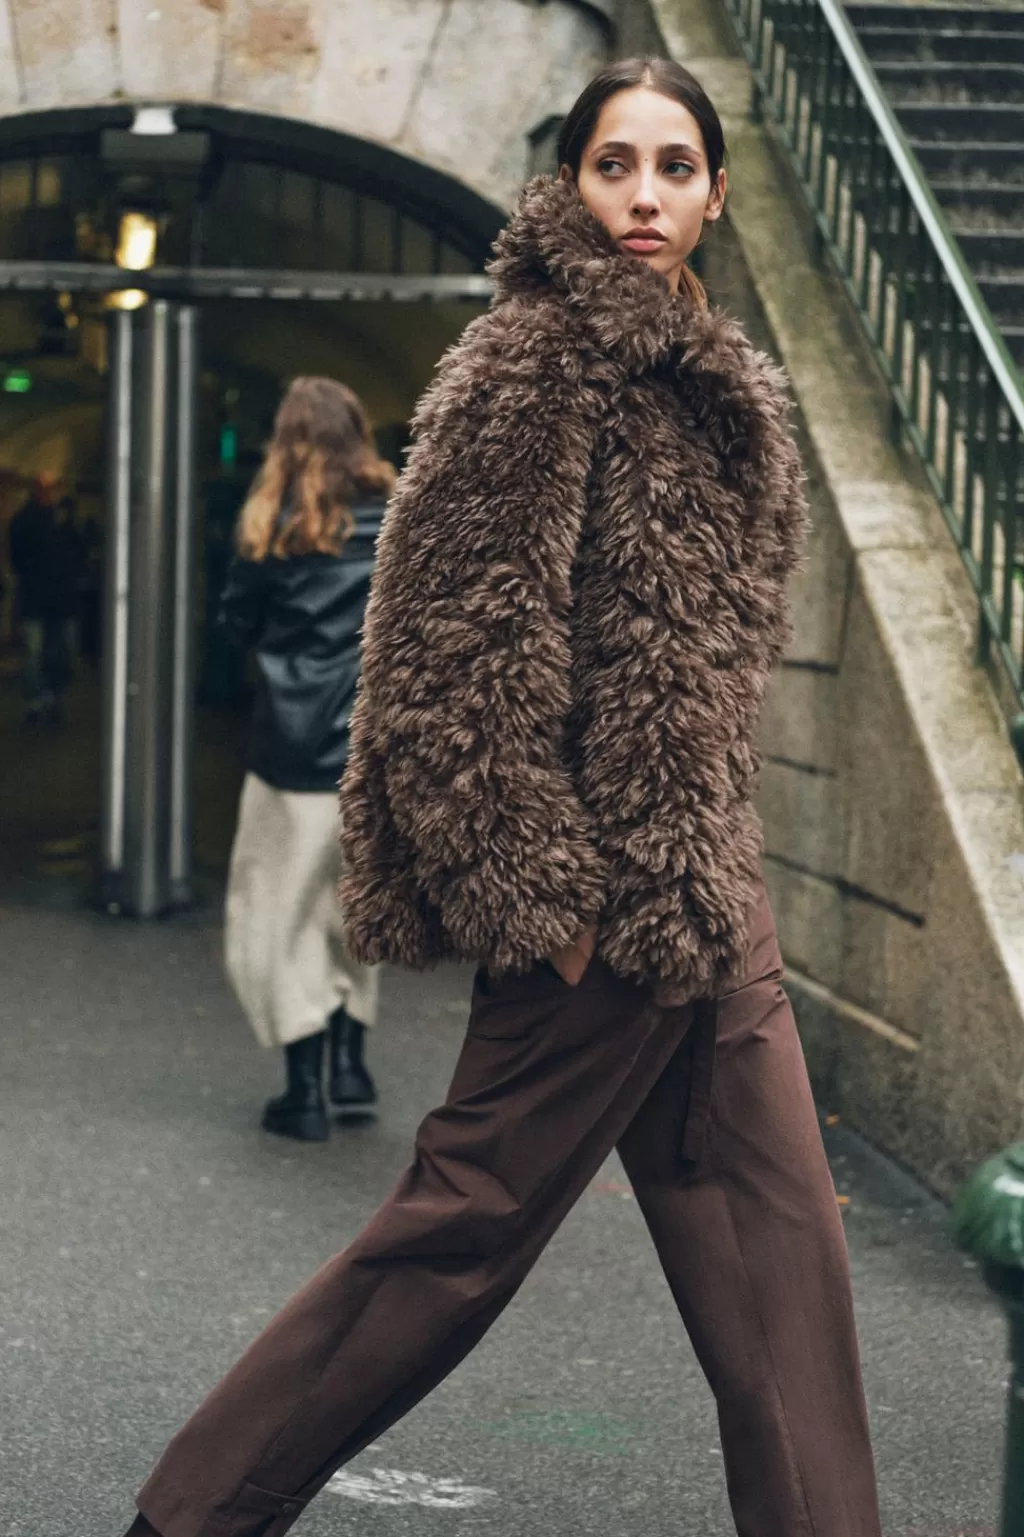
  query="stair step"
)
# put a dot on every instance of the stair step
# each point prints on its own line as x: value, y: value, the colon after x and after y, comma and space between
x: 926, y: 18
x: 914, y: 83
x: 993, y: 253
x: 889, y: 45
x: 1005, y: 298
x: 993, y: 207
x: 1013, y: 336
x: 955, y: 77
x: 983, y: 164
x: 953, y: 121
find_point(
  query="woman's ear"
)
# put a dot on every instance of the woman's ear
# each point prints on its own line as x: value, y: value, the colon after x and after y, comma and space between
x: 716, y: 198
x: 564, y: 173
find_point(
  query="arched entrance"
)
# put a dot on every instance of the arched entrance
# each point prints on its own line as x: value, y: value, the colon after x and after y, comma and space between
x: 262, y: 248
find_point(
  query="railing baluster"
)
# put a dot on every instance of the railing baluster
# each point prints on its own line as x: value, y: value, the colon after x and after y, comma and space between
x: 827, y: 117
x: 936, y: 342
x: 766, y: 33
x: 953, y: 395
x: 918, y: 314
x: 842, y: 103
x: 974, y: 395
x: 804, y: 68
x: 900, y: 285
x: 817, y: 43
x: 868, y: 216
x: 1010, y: 472
x: 989, y: 505
x: 848, y: 180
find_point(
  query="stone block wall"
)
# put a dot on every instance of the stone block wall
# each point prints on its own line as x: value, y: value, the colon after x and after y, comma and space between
x: 892, y: 804
x: 457, y: 84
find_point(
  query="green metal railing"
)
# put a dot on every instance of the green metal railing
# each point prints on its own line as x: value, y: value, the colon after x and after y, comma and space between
x: 957, y: 395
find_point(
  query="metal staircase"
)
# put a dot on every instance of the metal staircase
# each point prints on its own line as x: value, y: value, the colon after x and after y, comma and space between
x: 903, y: 126
x: 955, y: 78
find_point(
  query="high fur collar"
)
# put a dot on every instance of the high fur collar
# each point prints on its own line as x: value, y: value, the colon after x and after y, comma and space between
x: 553, y: 242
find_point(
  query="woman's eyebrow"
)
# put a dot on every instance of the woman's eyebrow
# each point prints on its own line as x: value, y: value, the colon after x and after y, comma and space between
x: 620, y: 147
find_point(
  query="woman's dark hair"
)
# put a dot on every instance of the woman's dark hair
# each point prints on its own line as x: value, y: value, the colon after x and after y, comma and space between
x: 661, y: 75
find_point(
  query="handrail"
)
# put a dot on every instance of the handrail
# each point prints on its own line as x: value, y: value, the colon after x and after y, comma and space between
x: 957, y: 394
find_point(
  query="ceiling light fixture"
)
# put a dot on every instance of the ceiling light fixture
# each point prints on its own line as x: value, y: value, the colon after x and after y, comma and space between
x: 136, y: 241
x: 135, y: 251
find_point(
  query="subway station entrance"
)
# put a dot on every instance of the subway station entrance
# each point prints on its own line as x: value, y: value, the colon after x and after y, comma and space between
x: 164, y: 273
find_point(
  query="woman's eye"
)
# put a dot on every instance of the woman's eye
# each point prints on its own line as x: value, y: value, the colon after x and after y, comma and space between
x: 609, y: 167
x: 679, y: 168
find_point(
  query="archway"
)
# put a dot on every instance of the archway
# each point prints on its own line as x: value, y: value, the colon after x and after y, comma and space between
x: 301, y: 250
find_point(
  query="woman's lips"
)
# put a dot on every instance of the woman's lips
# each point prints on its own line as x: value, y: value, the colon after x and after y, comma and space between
x: 643, y: 245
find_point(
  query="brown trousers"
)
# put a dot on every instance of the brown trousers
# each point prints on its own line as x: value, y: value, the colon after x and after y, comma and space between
x: 731, y: 1178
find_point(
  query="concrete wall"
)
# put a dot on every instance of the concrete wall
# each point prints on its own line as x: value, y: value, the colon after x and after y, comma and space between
x: 455, y: 83
x: 893, y: 804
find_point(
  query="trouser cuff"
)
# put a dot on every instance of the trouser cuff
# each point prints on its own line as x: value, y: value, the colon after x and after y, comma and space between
x: 251, y: 1513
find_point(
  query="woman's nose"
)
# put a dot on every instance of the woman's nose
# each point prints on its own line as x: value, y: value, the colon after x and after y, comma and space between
x: 645, y: 203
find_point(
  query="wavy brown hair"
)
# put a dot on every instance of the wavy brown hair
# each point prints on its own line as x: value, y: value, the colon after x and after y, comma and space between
x: 320, y: 457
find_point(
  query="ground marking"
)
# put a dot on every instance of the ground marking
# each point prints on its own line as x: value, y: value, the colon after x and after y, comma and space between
x: 387, y: 1486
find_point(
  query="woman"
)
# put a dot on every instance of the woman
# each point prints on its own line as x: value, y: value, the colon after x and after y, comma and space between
x: 296, y: 593
x: 579, y: 597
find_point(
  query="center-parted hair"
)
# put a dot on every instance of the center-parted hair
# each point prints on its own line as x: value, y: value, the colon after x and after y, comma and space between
x: 320, y: 458
x: 661, y: 75
x: 668, y: 79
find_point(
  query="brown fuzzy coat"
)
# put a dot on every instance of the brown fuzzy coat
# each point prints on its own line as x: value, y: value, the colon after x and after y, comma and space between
x: 579, y: 597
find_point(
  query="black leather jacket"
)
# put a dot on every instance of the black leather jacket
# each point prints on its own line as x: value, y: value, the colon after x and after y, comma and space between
x: 303, y: 617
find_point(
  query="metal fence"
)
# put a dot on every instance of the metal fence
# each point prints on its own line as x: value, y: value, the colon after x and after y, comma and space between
x: 956, y: 392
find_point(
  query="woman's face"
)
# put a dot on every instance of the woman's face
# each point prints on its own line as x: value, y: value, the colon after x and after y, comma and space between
x: 645, y: 175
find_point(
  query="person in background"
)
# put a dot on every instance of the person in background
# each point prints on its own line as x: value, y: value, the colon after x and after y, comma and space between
x: 46, y: 557
x: 296, y: 593
x: 90, y: 589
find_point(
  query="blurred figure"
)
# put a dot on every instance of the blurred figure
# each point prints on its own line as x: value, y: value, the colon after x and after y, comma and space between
x: 90, y: 589
x: 296, y: 593
x: 46, y: 557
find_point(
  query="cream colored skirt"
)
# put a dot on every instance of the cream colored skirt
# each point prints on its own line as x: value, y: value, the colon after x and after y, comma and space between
x: 283, y: 944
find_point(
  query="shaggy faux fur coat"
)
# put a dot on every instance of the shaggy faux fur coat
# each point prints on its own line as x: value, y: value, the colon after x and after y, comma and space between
x: 579, y: 596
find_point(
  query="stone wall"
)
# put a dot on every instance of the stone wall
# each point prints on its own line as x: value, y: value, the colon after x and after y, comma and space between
x: 892, y: 801
x: 457, y: 84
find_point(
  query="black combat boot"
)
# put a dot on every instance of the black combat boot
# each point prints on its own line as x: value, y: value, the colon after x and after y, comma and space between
x: 300, y: 1112
x: 352, y: 1088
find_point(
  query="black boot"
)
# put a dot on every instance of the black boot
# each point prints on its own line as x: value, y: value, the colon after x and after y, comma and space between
x: 352, y: 1088
x: 300, y: 1112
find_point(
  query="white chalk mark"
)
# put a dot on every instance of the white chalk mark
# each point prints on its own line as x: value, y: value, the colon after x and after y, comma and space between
x: 387, y: 1486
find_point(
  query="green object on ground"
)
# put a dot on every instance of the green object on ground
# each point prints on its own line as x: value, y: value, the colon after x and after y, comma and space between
x: 988, y: 1214
x: 988, y: 1221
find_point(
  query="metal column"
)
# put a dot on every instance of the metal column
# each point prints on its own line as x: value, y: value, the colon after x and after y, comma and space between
x: 150, y: 612
x: 183, y: 618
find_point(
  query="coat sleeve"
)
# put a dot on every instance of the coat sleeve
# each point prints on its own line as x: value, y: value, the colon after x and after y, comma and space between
x: 243, y: 601
x: 456, y: 767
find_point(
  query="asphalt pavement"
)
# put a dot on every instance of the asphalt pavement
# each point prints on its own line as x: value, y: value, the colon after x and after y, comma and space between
x: 149, y: 1229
